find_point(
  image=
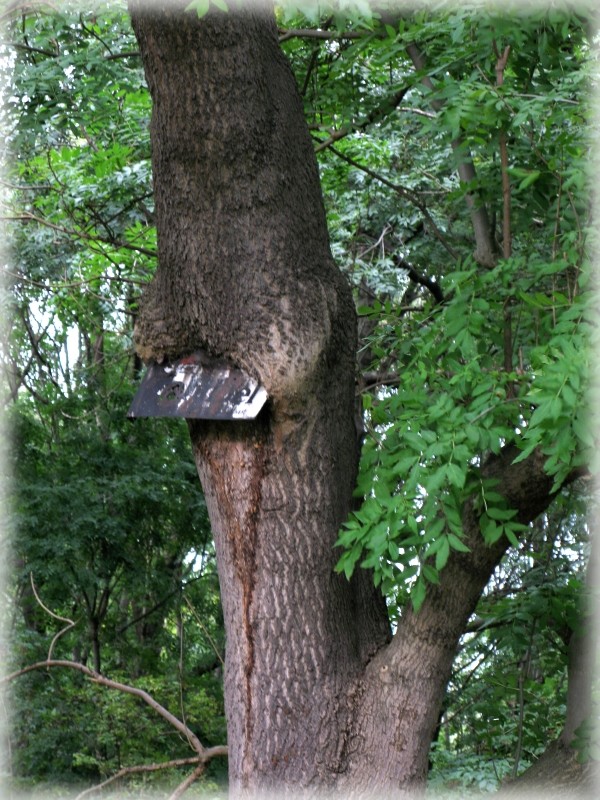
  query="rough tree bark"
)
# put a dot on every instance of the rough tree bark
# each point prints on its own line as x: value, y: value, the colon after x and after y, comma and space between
x: 318, y: 698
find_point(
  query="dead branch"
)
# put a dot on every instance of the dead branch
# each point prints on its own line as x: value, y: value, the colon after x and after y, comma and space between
x: 70, y: 622
x: 184, y: 785
x: 135, y: 770
x: 204, y: 754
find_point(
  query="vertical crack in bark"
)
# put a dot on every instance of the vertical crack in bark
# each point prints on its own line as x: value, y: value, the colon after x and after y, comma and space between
x: 232, y: 461
x: 245, y: 563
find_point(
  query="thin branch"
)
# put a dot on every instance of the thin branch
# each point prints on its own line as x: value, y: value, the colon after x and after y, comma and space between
x: 411, y: 196
x: 421, y: 280
x: 28, y: 217
x: 126, y: 54
x: 309, y: 70
x: 136, y: 770
x: 184, y: 785
x: 484, y: 246
x: 70, y: 622
x: 59, y: 285
x: 373, y: 379
x: 375, y: 115
x: 29, y: 49
x: 312, y: 33
x: 506, y: 228
x: 26, y: 188
x: 34, y: 340
x: 92, y: 33
x: 208, y: 636
x: 418, y: 111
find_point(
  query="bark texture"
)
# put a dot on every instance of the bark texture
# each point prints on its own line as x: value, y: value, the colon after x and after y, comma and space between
x: 318, y: 699
x: 245, y: 272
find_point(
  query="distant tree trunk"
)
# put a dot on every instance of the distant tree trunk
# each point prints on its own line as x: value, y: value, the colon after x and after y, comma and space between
x: 317, y: 697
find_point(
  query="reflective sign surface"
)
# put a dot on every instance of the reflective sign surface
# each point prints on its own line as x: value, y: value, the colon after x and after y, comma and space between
x: 197, y: 387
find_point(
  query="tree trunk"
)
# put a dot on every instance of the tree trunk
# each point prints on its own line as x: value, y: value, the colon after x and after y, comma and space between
x: 245, y: 272
x: 317, y: 698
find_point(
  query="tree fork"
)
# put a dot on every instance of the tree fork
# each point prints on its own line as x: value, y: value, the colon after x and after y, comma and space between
x: 317, y: 698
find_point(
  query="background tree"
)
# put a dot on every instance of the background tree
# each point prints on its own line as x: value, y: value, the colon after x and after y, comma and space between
x: 419, y: 122
x: 115, y: 541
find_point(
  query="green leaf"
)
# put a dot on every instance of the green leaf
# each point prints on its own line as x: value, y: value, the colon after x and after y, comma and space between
x: 533, y: 175
x: 199, y: 6
x: 456, y: 475
x: 417, y: 594
x: 430, y: 574
x: 457, y: 544
x: 500, y: 513
x: 441, y: 557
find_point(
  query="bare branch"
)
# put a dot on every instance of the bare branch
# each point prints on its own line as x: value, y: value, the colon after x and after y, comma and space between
x: 136, y: 770
x: 70, y: 622
x: 184, y: 785
x: 317, y: 33
x: 95, y: 677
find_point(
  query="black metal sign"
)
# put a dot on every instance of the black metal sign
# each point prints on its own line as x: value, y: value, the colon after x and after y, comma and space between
x: 197, y: 387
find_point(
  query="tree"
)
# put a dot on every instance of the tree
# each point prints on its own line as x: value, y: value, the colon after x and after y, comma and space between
x: 473, y: 349
x: 108, y: 522
x: 319, y: 696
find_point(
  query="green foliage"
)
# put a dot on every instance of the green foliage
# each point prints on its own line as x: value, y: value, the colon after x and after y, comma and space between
x: 507, y: 694
x: 504, y: 361
x: 202, y: 7
x: 107, y: 514
x: 586, y: 741
x: 498, y: 360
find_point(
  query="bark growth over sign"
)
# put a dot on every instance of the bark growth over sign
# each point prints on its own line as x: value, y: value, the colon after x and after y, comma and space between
x: 231, y: 157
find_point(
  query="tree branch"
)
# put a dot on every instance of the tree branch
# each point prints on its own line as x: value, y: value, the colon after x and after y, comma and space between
x: 184, y: 785
x: 136, y: 770
x: 70, y: 622
x: 95, y: 677
x: 375, y: 115
x: 485, y: 253
x: 29, y: 48
x: 28, y: 217
x: 403, y: 192
x: 126, y: 54
x: 317, y: 33
x: 422, y: 280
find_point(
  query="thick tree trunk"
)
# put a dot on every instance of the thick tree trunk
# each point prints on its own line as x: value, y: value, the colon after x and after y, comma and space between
x: 245, y: 271
x: 317, y: 699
